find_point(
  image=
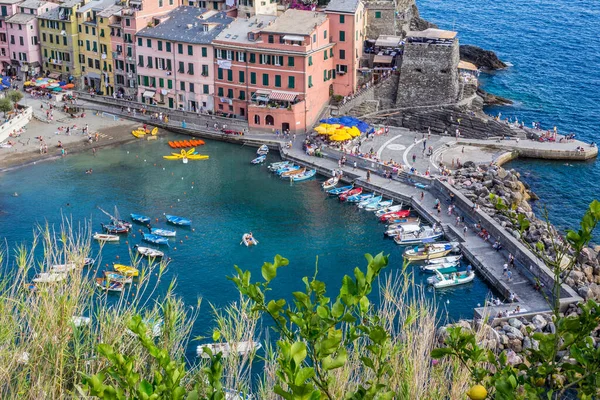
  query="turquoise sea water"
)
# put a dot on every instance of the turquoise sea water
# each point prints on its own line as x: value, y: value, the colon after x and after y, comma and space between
x: 555, y: 55
x: 225, y: 197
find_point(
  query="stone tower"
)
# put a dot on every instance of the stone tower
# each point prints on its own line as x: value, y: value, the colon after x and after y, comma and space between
x: 388, y: 17
x: 429, y: 71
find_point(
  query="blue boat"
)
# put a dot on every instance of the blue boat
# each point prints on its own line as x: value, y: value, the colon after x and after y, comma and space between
x: 286, y: 169
x: 148, y: 237
x: 357, y: 198
x: 259, y: 159
x: 368, y: 202
x: 304, y: 176
x: 341, y: 190
x: 178, y: 220
x: 142, y: 219
x: 163, y: 232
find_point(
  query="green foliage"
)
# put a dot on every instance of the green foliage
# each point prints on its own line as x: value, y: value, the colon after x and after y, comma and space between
x: 5, y: 105
x: 316, y: 331
x: 15, y: 96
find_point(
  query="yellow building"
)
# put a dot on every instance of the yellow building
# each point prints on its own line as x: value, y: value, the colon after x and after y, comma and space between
x: 94, y: 45
x: 59, y: 41
x: 106, y: 18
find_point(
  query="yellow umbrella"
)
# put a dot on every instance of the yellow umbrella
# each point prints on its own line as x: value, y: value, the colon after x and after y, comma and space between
x: 325, y: 126
x: 340, y: 137
x: 321, y: 130
x: 353, y: 133
x: 335, y: 125
x: 331, y: 131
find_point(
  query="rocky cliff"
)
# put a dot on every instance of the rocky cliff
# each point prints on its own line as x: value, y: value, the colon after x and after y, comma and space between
x: 483, y: 59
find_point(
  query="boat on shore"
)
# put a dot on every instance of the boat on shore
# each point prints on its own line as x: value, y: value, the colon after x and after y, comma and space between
x: 239, y: 348
x: 175, y: 220
x: 142, y: 219
x: 116, y: 277
x: 262, y: 150
x: 109, y: 286
x: 163, y: 232
x: 372, y: 200
x: 49, y: 277
x: 149, y: 251
x: 429, y: 251
x: 148, y: 237
x: 443, y: 260
x: 355, y: 191
x: 453, y: 279
x: 306, y: 175
x: 105, y: 237
x: 340, y: 190
x: 126, y: 270
x: 423, y: 235
x: 379, y: 205
x: 330, y: 183
x: 259, y: 159
x: 249, y: 240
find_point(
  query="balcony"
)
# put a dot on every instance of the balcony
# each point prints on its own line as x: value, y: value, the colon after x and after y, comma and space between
x: 54, y: 61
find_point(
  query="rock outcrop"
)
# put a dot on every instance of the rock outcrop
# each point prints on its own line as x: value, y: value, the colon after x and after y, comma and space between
x: 490, y: 99
x: 417, y: 23
x: 484, y: 59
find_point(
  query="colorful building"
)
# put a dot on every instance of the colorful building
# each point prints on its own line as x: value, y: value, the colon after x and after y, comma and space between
x: 7, y: 9
x: 59, y: 37
x: 106, y: 18
x: 277, y: 72
x: 175, y: 59
x: 23, y: 34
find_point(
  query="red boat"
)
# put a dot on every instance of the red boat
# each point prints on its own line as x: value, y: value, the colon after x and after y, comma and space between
x: 394, y: 215
x: 349, y: 193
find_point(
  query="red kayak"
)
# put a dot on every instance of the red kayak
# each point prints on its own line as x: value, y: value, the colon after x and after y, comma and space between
x: 349, y: 193
x: 394, y: 215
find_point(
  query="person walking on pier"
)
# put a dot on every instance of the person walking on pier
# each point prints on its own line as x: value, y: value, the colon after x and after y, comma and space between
x: 368, y: 175
x: 505, y: 269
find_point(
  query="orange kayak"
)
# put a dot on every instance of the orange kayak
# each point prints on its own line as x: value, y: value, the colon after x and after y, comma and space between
x: 186, y: 143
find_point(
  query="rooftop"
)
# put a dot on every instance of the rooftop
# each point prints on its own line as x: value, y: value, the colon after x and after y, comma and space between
x: 70, y: 3
x: 185, y: 24
x: 9, y: 1
x: 388, y: 41
x: 110, y: 11
x: 432, y: 33
x: 345, y: 6
x: 21, y: 18
x: 467, y: 65
x: 297, y: 22
x: 32, y: 3
x: 238, y: 30
x: 96, y: 5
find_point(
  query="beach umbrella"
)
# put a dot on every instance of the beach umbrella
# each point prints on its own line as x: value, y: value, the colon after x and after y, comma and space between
x: 340, y: 137
x: 321, y: 130
x: 53, y: 85
x: 69, y: 86
x: 57, y: 89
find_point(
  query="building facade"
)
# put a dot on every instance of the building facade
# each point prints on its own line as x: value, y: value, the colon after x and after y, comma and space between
x: 8, y: 8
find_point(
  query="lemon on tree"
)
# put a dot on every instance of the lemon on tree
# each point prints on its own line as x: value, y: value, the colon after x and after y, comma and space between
x: 477, y: 392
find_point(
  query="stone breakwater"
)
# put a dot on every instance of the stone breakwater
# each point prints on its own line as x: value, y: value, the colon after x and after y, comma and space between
x: 478, y: 182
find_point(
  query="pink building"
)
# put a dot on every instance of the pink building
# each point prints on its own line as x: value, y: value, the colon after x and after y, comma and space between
x: 7, y: 9
x: 23, y: 37
x: 347, y: 29
x: 278, y: 72
x: 175, y: 59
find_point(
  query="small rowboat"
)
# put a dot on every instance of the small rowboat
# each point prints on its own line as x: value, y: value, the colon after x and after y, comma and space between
x: 239, y: 348
x: 394, y: 215
x: 148, y: 237
x: 249, y: 240
x: 444, y: 260
x: 357, y: 198
x: 49, y: 277
x: 304, y: 176
x: 424, y: 235
x: 178, y: 220
x: 429, y: 251
x: 62, y: 268
x: 88, y: 261
x: 142, y: 219
x: 447, y: 280
x: 286, y: 168
x: 330, y: 183
x: 259, y: 159
x: 149, y: 252
x: 387, y: 210
x: 353, y: 192
x: 404, y: 221
x: 126, y: 270
x: 439, y: 267
x: 105, y: 237
x: 292, y: 173
x: 116, y: 277
x: 110, y: 228
x: 163, y: 232
x: 372, y: 200
x: 109, y: 286
x: 403, y: 229
x: 275, y: 166
x: 379, y: 205
x: 264, y: 149
x: 339, y: 191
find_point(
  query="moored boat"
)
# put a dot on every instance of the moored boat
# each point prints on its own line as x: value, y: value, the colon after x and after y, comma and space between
x: 286, y: 168
x: 148, y: 237
x: 264, y: 149
x: 397, y: 207
x: 142, y: 219
x: 88, y: 261
x: 275, y: 166
x: 429, y: 251
x: 423, y: 235
x: 105, y: 237
x: 306, y: 175
x: 49, y: 277
x: 249, y: 240
x: 443, y: 268
x: 288, y: 174
x: 259, y: 159
x: 340, y: 190
x: 372, y: 200
x: 330, y: 183
x: 404, y: 221
x: 239, y: 348
x: 394, y: 215
x: 353, y: 192
x: 126, y: 270
x: 149, y: 251
x: 178, y: 220
x: 116, y: 277
x: 111, y: 228
x: 443, y: 260
x: 447, y: 280
x: 403, y: 229
x: 378, y: 205
x: 109, y: 286
x: 163, y: 232
x: 357, y: 198
x: 60, y: 268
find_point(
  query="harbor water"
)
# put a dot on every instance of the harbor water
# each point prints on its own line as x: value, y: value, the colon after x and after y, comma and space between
x: 554, y: 53
x: 224, y: 197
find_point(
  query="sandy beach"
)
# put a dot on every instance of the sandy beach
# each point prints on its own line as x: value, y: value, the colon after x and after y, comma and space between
x: 39, y: 133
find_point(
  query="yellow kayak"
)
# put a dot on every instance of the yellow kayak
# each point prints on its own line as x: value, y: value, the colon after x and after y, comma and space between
x: 154, y: 131
x: 172, y: 157
x: 126, y: 270
x: 138, y: 133
x: 198, y: 157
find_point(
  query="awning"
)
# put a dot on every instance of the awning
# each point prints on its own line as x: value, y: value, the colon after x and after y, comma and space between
x: 148, y: 93
x: 295, y: 38
x: 54, y: 75
x: 261, y: 91
x: 382, y: 59
x: 283, y: 96
x: 467, y: 65
x: 388, y: 41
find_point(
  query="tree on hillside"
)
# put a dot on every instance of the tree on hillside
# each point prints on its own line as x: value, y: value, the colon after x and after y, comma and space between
x: 5, y: 105
x: 15, y: 96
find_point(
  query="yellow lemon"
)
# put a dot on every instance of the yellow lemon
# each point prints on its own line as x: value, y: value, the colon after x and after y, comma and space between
x: 477, y: 392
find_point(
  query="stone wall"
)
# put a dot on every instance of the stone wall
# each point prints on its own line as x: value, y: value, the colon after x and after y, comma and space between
x: 385, y: 24
x: 428, y: 75
x: 15, y: 123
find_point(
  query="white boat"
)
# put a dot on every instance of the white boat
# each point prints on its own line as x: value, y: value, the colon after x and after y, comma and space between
x: 163, y: 232
x: 424, y: 235
x: 429, y: 251
x: 330, y: 183
x: 408, y: 228
x: 435, y: 267
x: 275, y: 166
x: 259, y: 159
x: 386, y: 210
x: 239, y: 348
x: 456, y: 278
x: 407, y: 221
x: 249, y: 240
x: 264, y: 149
x: 379, y: 205
x: 444, y: 260
x: 49, y: 277
x: 373, y: 200
x: 62, y: 268
x: 105, y: 237
x: 149, y: 251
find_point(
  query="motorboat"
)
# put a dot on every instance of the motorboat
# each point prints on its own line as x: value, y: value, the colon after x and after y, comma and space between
x: 379, y: 205
x: 353, y: 192
x: 453, y: 279
x: 148, y: 237
x: 142, y: 219
x: 286, y: 168
x: 259, y: 159
x: 288, y: 174
x: 275, y: 166
x: 357, y: 198
x: 394, y: 215
x: 386, y: 210
x: 424, y: 235
x: 429, y: 251
x: 88, y: 261
x: 126, y: 270
x: 105, y: 237
x: 439, y: 267
x: 249, y: 240
x: 111, y: 228
x: 239, y: 348
x: 163, y: 232
x: 62, y: 268
x: 340, y: 190
x: 109, y: 286
x: 116, y: 277
x: 178, y: 220
x: 404, y: 221
x: 262, y: 150
x: 443, y: 260
x: 49, y: 277
x: 372, y: 200
x: 306, y: 175
x: 149, y: 251
x: 403, y: 229
x: 330, y: 183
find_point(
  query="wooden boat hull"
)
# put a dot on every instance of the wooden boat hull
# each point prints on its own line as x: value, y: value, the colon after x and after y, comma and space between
x: 101, y: 237
x: 305, y: 176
